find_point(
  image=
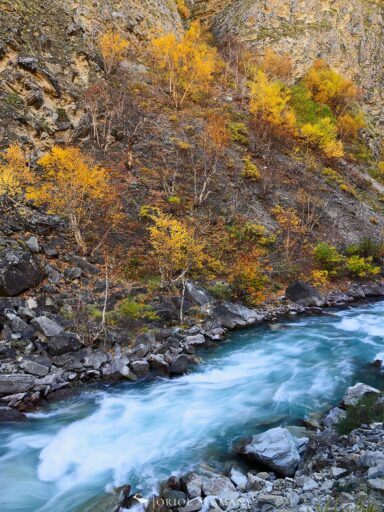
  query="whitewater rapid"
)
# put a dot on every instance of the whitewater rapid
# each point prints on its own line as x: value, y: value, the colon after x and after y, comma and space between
x: 141, y: 433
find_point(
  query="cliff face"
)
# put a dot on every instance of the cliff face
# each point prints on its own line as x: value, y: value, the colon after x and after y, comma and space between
x: 348, y: 35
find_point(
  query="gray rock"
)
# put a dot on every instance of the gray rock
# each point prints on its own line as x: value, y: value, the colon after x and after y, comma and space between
x: 140, y: 368
x: 254, y: 483
x: 18, y: 272
x: 28, y: 62
x: 72, y: 273
x: 7, y: 414
x: 192, y: 482
x: 276, y: 448
x: 376, y: 472
x: 85, y: 266
x: 197, y: 294
x: 195, y: 340
x: 271, y: 499
x: 238, y: 479
x: 71, y: 361
x: 356, y: 392
x: 230, y: 315
x: 304, y: 294
x: 13, y: 383
x: 47, y: 326
x: 118, y: 368
x: 192, y: 505
x: 180, y: 364
x: 220, y: 486
x: 333, y: 417
x: 95, y: 359
x: 377, y: 484
x: 34, y: 368
x: 33, y: 244
x: 310, y: 485
x: 63, y: 343
x: 338, y: 472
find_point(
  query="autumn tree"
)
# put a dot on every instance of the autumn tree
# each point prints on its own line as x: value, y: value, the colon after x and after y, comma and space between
x: 73, y: 186
x: 113, y: 47
x: 290, y: 225
x: 249, y: 277
x: 15, y: 175
x: 275, y: 66
x: 323, y: 134
x: 187, y: 65
x: 176, y: 250
x: 327, y: 86
x: 269, y: 102
x: 215, y: 139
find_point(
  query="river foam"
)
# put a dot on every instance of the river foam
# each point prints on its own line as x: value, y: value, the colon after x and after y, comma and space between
x: 141, y: 433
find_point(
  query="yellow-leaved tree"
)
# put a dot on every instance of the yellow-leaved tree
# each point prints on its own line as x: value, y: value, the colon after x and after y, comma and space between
x: 177, y: 252
x: 269, y: 102
x: 187, y: 65
x: 15, y: 175
x: 72, y: 186
x: 323, y: 134
x: 112, y: 46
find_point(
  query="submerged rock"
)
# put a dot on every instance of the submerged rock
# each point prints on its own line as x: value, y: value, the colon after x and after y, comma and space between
x: 356, y: 392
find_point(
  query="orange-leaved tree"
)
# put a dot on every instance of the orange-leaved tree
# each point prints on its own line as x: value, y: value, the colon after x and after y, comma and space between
x: 291, y: 226
x: 15, y: 175
x: 113, y: 47
x: 327, y: 86
x: 177, y: 251
x: 249, y: 277
x: 187, y: 65
x: 71, y: 185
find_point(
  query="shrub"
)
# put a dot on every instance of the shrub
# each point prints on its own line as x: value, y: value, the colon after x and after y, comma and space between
x: 323, y: 134
x: 367, y: 410
x: 112, y: 47
x: 221, y: 291
x: 250, y: 170
x: 367, y: 248
x: 130, y: 309
x: 361, y: 267
x: 329, y: 258
x: 349, y: 126
x: 306, y: 109
x: 248, y: 278
x: 239, y: 133
x: 320, y: 278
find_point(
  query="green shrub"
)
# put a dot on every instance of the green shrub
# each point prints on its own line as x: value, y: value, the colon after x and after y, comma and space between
x: 329, y: 258
x: 130, y: 309
x: 94, y: 312
x: 366, y: 248
x: 368, y: 409
x: 221, y: 291
x: 361, y: 267
x: 306, y: 109
x: 239, y: 133
x: 250, y: 170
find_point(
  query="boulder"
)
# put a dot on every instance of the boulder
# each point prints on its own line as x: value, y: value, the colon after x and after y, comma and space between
x: 47, y: 326
x: 18, y: 272
x: 193, y: 505
x: 276, y: 448
x: 218, y: 485
x: 230, y: 315
x: 84, y: 265
x: 95, y: 359
x: 238, y: 479
x: 140, y: 368
x: 9, y: 414
x: 197, y: 294
x: 192, y: 483
x: 304, y: 294
x: 13, y: 383
x: 195, y: 340
x: 180, y: 364
x: 356, y: 392
x: 32, y: 244
x: 333, y: 417
x: 63, y: 343
x: 34, y: 368
x: 118, y: 368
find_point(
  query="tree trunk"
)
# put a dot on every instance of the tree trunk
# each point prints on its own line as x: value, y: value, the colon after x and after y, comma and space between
x: 77, y: 234
x: 184, y: 281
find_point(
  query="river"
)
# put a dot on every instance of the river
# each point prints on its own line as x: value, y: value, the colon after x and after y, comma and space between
x: 65, y: 458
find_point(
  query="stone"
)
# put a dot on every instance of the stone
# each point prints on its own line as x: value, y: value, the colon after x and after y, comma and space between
x: 158, y: 363
x: 356, y: 392
x: 28, y: 62
x: 195, y: 340
x: 230, y: 315
x: 333, y: 417
x: 7, y: 414
x: 13, y: 383
x: 304, y: 294
x: 118, y: 368
x: 84, y: 265
x: 276, y: 448
x: 47, y: 326
x: 180, y: 364
x: 238, y: 479
x: 63, y: 343
x: 197, y: 294
x: 71, y: 361
x: 34, y: 368
x: 192, y: 483
x: 376, y: 472
x: 33, y: 244
x: 271, y: 499
x: 140, y: 368
x: 35, y: 98
x: 18, y: 272
x: 219, y: 485
x: 255, y: 483
x: 72, y: 273
x: 338, y: 472
x: 377, y: 484
x: 310, y: 485
x: 193, y: 505
x: 95, y: 359
x: 31, y: 303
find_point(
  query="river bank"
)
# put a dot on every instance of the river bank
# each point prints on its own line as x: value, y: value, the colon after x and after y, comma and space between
x: 42, y: 361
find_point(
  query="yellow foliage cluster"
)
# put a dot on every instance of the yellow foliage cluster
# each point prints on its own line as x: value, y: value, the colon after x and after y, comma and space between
x: 320, y: 278
x: 349, y: 125
x: 183, y: 9
x: 71, y: 186
x: 250, y: 170
x: 269, y: 101
x: 323, y: 134
x: 187, y: 65
x: 290, y: 224
x: 15, y: 175
x: 248, y: 278
x: 275, y: 66
x: 112, y: 46
x: 329, y: 87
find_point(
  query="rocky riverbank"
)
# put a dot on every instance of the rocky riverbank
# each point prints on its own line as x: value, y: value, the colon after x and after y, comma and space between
x: 315, y: 471
x: 42, y: 357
